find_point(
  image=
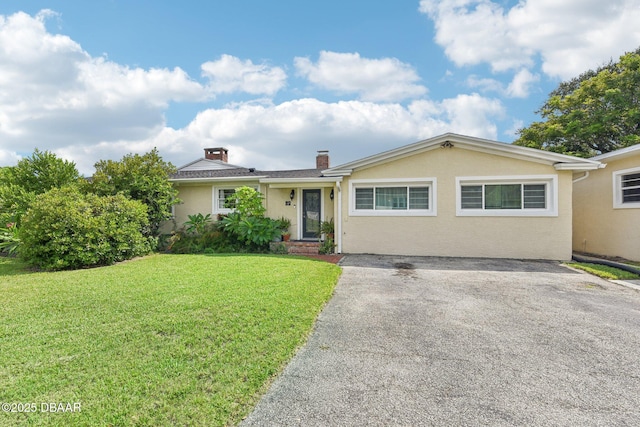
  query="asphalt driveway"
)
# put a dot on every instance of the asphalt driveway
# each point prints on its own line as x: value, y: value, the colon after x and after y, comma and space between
x: 409, y: 341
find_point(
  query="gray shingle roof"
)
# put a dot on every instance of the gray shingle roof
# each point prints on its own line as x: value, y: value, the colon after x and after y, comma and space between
x: 239, y: 172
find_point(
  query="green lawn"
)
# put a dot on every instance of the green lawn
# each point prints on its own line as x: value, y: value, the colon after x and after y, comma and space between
x: 163, y: 340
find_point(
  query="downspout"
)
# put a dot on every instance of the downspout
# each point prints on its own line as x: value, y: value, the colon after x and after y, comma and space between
x: 585, y: 176
x: 338, y: 223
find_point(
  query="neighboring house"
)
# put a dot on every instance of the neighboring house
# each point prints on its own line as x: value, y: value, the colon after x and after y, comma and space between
x: 451, y: 195
x: 606, y: 206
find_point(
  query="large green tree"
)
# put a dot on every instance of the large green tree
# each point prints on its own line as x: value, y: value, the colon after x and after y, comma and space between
x: 20, y: 184
x: 595, y: 113
x: 140, y: 177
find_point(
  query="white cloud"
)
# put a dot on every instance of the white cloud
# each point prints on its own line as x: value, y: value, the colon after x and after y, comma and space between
x: 571, y: 36
x: 55, y: 94
x: 385, y: 79
x: 287, y: 135
x: 230, y: 74
x: 520, y: 86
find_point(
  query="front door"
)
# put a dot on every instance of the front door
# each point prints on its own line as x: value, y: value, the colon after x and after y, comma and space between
x: 310, y: 214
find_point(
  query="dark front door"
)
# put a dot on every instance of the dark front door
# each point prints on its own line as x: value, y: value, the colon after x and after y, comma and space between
x: 310, y: 213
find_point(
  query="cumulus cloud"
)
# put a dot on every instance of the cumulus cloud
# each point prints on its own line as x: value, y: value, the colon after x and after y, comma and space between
x: 570, y: 36
x: 56, y: 96
x: 287, y: 135
x: 385, y: 79
x: 520, y: 86
x: 230, y: 74
x: 53, y: 92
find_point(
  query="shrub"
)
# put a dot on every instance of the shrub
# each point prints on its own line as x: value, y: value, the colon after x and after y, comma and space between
x: 66, y: 229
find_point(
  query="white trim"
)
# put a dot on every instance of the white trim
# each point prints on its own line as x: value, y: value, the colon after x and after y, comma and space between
x: 559, y: 161
x: 302, y: 182
x: 617, y: 189
x: 617, y: 154
x: 551, y: 182
x: 338, y: 223
x: 430, y: 182
x: 214, y: 197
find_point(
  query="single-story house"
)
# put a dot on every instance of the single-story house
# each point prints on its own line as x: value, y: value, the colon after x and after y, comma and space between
x: 451, y: 195
x: 606, y: 206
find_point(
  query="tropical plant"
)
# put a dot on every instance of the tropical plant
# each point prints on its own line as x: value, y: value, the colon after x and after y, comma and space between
x: 326, y: 246
x: 197, y: 223
x: 9, y: 239
x: 248, y: 223
x: 327, y: 228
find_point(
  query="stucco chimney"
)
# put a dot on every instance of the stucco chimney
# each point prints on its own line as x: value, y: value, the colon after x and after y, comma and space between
x: 322, y: 159
x: 218, y: 153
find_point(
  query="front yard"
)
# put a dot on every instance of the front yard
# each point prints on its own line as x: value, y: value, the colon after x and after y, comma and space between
x: 162, y: 340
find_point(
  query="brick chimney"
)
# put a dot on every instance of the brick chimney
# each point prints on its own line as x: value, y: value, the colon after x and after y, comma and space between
x: 322, y: 159
x: 218, y: 153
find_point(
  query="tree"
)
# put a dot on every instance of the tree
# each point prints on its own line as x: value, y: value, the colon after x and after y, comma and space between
x: 33, y: 175
x: 595, y: 113
x: 140, y: 177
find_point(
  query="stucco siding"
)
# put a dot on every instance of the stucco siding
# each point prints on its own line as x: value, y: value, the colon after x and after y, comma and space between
x: 194, y: 199
x: 598, y: 227
x: 447, y: 234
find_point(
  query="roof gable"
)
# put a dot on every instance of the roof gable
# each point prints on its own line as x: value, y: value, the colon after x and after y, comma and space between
x: 619, y: 154
x: 559, y: 161
x: 206, y: 164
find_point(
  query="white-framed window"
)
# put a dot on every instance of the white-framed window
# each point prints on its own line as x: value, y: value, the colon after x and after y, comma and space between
x: 522, y: 195
x: 220, y: 202
x: 393, y: 197
x: 626, y: 188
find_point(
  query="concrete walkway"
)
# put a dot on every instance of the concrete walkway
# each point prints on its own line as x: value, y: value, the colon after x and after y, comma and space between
x: 409, y: 341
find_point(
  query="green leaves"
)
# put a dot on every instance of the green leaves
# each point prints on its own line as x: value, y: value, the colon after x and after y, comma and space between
x: 141, y: 177
x: 67, y: 229
x: 19, y: 185
x: 197, y: 223
x: 595, y: 113
x: 248, y: 222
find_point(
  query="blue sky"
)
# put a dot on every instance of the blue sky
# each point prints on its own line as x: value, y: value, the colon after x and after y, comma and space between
x: 276, y: 81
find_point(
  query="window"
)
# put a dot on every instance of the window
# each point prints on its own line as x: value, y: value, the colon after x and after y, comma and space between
x: 223, y: 203
x: 392, y: 197
x: 506, y: 196
x: 220, y: 202
x: 626, y: 191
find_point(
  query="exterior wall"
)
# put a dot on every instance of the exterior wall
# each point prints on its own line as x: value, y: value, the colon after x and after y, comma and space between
x: 198, y: 198
x: 445, y: 233
x: 277, y: 199
x: 598, y: 227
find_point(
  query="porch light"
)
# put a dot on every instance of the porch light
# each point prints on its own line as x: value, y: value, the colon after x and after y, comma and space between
x: 292, y: 194
x: 331, y: 194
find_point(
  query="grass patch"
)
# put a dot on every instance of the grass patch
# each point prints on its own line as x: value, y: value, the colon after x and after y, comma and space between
x: 163, y: 340
x: 604, y: 271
